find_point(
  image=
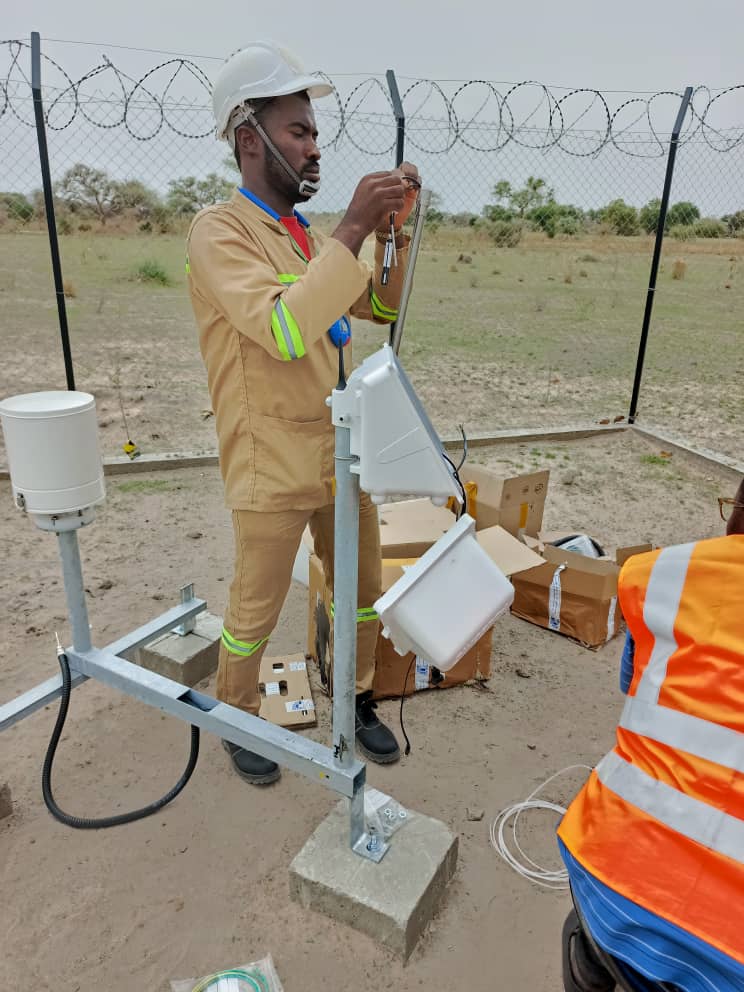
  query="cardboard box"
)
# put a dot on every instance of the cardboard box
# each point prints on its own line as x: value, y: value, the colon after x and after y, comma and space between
x: 409, y: 527
x: 286, y: 697
x: 572, y: 593
x: 517, y: 504
x: 391, y: 668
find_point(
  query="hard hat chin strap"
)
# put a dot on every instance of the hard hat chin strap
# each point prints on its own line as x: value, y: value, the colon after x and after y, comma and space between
x: 305, y: 187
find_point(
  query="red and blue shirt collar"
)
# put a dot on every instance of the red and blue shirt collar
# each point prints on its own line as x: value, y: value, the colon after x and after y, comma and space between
x: 270, y: 210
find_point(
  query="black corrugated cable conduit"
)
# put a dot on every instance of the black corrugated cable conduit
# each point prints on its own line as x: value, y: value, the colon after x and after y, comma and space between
x: 85, y: 823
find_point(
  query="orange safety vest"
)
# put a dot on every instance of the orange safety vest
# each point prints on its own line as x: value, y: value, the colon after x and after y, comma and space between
x: 661, y: 818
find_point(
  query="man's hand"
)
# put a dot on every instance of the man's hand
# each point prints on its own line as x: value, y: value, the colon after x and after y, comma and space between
x: 412, y: 182
x: 376, y: 197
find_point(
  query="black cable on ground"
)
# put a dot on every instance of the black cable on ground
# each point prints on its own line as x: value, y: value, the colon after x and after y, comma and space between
x: 402, y: 700
x: 84, y: 823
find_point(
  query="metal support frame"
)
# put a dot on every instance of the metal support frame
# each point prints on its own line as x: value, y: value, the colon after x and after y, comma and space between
x: 345, y: 600
x: 341, y: 773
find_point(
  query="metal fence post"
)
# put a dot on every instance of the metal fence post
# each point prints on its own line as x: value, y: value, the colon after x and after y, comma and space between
x: 400, y: 141
x: 400, y: 117
x: 46, y: 177
x: 657, y: 252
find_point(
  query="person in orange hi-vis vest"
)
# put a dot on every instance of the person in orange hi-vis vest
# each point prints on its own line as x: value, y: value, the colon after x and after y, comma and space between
x: 654, y: 841
x: 272, y: 299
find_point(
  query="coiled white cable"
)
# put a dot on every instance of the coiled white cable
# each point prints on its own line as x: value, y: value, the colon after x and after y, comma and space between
x: 549, y: 878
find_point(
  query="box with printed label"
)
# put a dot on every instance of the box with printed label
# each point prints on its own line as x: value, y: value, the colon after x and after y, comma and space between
x: 571, y: 593
x: 286, y: 697
x: 517, y: 503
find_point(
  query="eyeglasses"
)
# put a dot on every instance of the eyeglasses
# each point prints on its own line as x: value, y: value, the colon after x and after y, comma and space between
x: 726, y: 505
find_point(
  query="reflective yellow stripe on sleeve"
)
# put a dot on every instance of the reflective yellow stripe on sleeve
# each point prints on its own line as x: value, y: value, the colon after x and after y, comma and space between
x: 379, y: 309
x: 284, y: 327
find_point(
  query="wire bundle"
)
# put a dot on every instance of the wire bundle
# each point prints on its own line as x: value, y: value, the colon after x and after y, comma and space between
x: 548, y: 878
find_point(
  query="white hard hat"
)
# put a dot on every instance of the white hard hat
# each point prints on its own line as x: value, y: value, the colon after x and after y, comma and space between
x: 260, y: 70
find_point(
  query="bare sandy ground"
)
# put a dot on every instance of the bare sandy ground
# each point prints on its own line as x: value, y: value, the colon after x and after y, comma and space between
x: 204, y: 885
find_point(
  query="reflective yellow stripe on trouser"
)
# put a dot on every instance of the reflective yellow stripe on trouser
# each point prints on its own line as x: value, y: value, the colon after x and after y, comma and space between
x: 284, y: 327
x: 244, y: 648
x: 363, y: 614
x: 379, y: 309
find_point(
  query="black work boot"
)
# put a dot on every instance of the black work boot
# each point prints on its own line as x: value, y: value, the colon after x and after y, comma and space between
x: 252, y: 767
x: 376, y: 741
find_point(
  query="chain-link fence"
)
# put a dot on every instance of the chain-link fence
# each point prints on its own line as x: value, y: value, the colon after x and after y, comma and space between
x: 533, y: 275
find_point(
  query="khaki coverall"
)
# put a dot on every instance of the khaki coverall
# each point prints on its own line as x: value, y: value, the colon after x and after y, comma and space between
x: 263, y: 315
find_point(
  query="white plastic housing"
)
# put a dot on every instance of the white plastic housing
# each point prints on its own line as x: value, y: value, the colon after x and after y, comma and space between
x: 445, y: 602
x: 51, y: 439
x: 398, y: 449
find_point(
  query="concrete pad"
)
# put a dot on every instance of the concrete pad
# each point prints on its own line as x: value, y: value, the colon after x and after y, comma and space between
x: 187, y: 658
x: 393, y: 901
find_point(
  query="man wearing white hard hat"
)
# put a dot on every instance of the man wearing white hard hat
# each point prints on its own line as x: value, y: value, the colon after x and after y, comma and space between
x: 272, y: 299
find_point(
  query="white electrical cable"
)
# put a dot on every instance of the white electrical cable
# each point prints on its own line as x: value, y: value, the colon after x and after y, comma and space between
x: 549, y: 878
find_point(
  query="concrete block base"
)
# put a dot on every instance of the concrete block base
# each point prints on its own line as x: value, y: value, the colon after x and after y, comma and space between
x: 187, y: 658
x: 392, y: 901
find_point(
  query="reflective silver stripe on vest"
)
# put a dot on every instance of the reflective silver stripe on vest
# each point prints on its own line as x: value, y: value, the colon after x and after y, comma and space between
x: 691, y: 818
x: 684, y: 732
x: 286, y: 333
x: 660, y: 608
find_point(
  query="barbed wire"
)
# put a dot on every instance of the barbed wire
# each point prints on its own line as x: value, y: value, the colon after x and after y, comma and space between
x: 479, y: 115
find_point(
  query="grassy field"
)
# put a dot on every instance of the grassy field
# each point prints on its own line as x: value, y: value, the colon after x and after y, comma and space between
x: 542, y: 334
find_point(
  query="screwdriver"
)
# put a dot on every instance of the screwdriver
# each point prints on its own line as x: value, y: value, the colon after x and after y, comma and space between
x: 390, y: 257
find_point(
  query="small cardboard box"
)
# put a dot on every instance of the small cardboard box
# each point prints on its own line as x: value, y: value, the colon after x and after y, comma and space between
x: 517, y: 504
x: 571, y: 593
x: 286, y: 697
x: 391, y: 668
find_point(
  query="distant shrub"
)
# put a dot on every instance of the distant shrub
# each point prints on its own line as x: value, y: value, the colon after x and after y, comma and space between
x: 17, y: 206
x: 151, y: 270
x: 682, y: 232
x: 683, y: 212
x: 710, y: 227
x: 505, y: 234
x: 621, y: 217
x: 735, y: 222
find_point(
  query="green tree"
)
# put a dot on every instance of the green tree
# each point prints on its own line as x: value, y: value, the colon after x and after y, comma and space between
x: 621, y: 217
x: 89, y: 191
x: 435, y: 215
x: 17, y: 206
x: 556, y: 218
x: 683, y: 212
x: 134, y: 195
x: 534, y: 193
x: 734, y: 222
x: 648, y: 216
x: 189, y: 194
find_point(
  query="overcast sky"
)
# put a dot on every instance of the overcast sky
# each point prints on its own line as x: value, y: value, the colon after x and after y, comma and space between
x: 627, y: 45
